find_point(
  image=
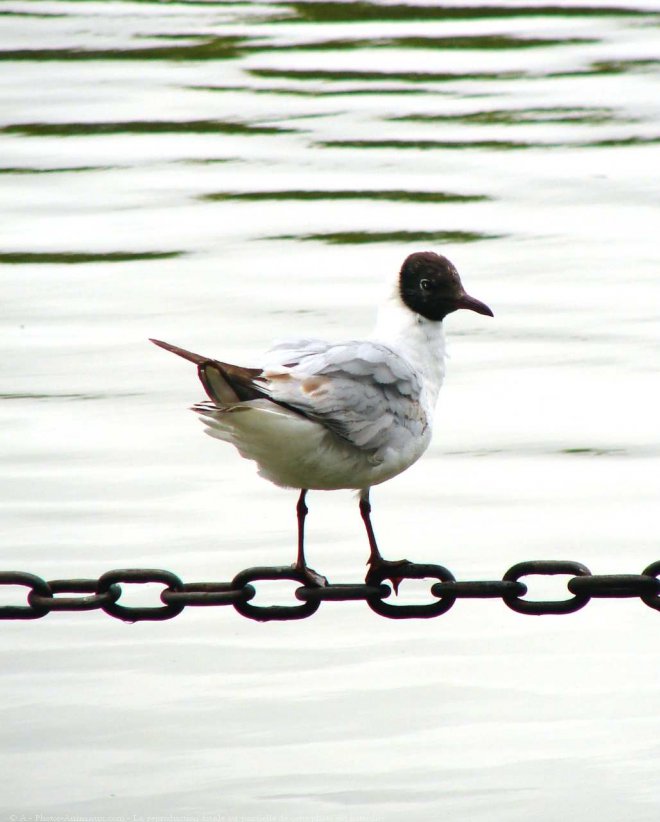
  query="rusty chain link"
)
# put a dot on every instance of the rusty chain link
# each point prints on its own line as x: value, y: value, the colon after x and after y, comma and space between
x: 104, y: 593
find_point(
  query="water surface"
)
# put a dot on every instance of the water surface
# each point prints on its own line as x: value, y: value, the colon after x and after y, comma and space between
x: 222, y: 174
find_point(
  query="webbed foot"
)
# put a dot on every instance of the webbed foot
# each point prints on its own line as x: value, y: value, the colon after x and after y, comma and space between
x: 386, y: 569
x: 312, y: 577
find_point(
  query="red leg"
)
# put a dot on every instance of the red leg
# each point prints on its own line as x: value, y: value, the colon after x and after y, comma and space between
x: 300, y: 563
x: 376, y: 561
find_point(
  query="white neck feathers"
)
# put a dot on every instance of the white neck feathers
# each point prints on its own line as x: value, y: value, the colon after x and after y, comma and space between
x: 419, y: 341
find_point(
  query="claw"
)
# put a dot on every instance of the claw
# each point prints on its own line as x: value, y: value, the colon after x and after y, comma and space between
x: 386, y: 569
x: 396, y: 581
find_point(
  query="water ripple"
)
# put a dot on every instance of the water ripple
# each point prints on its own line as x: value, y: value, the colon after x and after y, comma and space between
x: 361, y: 237
x: 141, y: 127
x: 395, y: 196
x: 352, y: 10
x: 76, y: 258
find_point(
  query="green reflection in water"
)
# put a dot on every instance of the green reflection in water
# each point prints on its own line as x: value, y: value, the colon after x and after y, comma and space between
x: 336, y: 12
x: 397, y: 196
x: 74, y: 257
x: 317, y: 92
x: 480, y: 42
x: 217, y: 48
x: 63, y: 170
x: 621, y: 66
x: 383, y: 76
x: 611, y: 67
x: 22, y: 13
x: 357, y: 10
x: 486, y: 42
x: 425, y: 145
x: 140, y: 127
x: 201, y: 48
x: 361, y: 237
x: 518, y: 116
x: 624, y: 141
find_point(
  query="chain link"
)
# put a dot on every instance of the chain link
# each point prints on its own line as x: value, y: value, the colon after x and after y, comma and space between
x: 106, y: 592
x: 546, y: 568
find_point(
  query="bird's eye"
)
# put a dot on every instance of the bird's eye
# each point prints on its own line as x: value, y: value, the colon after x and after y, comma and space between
x: 426, y: 285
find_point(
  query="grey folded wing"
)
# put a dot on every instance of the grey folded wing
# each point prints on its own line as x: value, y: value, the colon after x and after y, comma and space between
x: 363, y: 392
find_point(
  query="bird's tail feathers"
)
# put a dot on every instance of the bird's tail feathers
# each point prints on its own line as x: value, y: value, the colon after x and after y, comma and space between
x: 223, y: 382
x: 198, y: 359
x: 217, y: 387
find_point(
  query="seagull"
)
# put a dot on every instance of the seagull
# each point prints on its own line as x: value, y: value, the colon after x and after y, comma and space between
x: 321, y: 415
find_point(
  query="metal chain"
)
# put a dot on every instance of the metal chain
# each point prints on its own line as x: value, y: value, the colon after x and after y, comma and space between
x: 104, y: 593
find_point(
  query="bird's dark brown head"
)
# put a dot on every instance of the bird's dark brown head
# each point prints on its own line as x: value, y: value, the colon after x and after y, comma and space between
x: 430, y: 286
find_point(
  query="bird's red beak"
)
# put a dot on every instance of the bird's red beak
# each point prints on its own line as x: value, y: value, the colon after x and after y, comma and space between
x: 473, y: 305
